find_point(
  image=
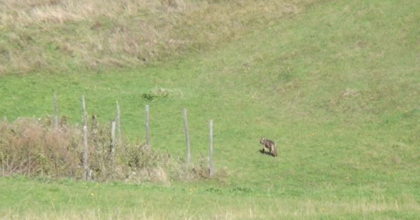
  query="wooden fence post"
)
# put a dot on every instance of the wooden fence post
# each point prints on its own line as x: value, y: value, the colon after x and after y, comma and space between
x: 55, y: 111
x: 211, y: 168
x: 187, y: 137
x: 85, y: 141
x: 112, y: 141
x: 84, y: 111
x: 119, y: 124
x: 85, y: 152
x: 148, y: 147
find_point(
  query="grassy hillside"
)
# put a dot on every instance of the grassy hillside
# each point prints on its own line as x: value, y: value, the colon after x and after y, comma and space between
x: 75, y: 36
x: 336, y: 85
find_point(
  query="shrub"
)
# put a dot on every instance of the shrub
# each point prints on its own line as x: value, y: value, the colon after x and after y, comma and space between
x: 34, y: 147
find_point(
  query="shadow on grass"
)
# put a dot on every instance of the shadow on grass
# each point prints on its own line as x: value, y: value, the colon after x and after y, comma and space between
x: 262, y: 151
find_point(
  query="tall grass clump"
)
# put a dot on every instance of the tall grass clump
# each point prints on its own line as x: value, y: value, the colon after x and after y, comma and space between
x: 72, y: 35
x: 34, y: 147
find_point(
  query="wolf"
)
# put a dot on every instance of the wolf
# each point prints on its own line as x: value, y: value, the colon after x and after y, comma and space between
x: 270, y: 145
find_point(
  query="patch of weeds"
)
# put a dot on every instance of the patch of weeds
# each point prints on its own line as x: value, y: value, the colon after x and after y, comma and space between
x: 213, y: 190
x: 156, y: 93
x: 241, y: 190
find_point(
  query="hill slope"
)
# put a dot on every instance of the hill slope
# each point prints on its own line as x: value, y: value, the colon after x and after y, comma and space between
x: 336, y: 87
x: 75, y: 36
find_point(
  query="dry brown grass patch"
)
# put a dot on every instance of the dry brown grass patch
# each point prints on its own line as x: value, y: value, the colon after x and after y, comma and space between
x: 34, y: 147
x: 60, y: 35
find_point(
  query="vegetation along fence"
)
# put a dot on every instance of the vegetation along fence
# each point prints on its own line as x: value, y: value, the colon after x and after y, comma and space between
x: 52, y: 147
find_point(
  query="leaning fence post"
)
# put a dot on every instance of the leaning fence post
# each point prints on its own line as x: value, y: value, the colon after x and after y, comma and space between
x: 147, y: 128
x: 85, y: 141
x: 55, y: 112
x: 85, y: 152
x: 211, y: 168
x: 112, y: 141
x: 187, y: 137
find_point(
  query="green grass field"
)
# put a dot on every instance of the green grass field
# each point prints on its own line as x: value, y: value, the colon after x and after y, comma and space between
x: 336, y: 84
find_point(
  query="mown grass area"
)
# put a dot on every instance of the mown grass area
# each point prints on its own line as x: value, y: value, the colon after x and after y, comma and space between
x: 65, y: 199
x: 335, y: 86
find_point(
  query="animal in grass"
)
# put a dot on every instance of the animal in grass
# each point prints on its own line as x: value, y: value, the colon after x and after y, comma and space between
x: 270, y: 145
